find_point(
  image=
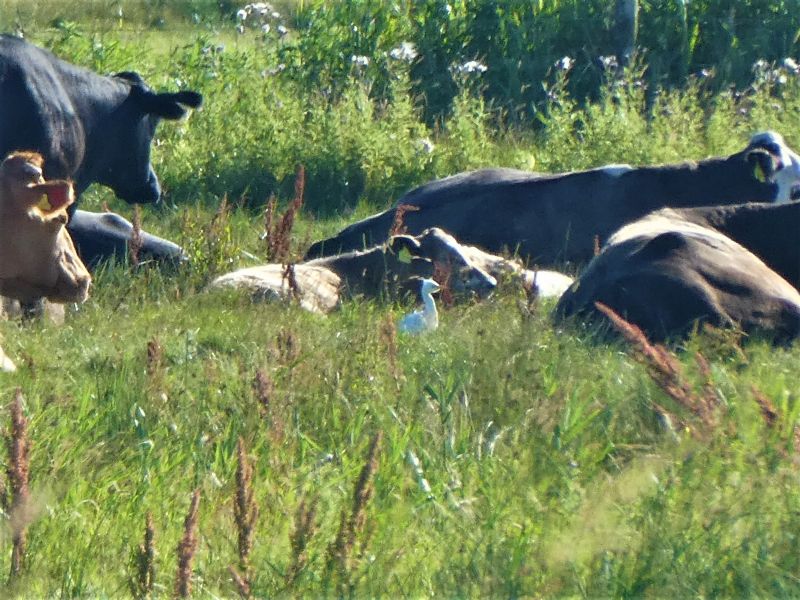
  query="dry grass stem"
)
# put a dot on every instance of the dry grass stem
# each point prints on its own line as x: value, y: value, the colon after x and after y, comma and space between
x: 442, y: 273
x: 771, y: 415
x: 305, y: 527
x: 145, y: 562
x: 136, y: 242
x: 278, y: 232
x: 398, y: 223
x: 245, y: 509
x: 388, y: 337
x: 263, y: 388
x: 187, y: 548
x: 155, y: 356
x: 287, y: 346
x: 241, y: 583
x: 18, y: 473
x: 662, y: 367
x: 342, y: 549
x: 290, y: 277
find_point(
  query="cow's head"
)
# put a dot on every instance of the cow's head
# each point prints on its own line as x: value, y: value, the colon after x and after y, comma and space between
x: 774, y: 161
x: 448, y: 257
x: 37, y: 257
x: 129, y: 133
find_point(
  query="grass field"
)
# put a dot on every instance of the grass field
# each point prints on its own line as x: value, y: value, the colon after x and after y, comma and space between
x: 498, y: 456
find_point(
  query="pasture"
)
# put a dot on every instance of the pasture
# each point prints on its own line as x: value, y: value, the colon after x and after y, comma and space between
x: 496, y: 456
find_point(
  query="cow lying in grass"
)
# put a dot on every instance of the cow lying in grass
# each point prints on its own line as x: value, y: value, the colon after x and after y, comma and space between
x: 37, y: 258
x: 770, y: 231
x: 666, y: 274
x: 390, y: 270
x: 548, y: 219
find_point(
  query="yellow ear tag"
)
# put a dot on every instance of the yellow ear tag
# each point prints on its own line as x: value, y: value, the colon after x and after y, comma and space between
x: 758, y: 171
x: 44, y: 203
x: 404, y: 256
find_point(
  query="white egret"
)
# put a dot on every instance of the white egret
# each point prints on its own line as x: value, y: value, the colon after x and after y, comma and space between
x: 426, y: 319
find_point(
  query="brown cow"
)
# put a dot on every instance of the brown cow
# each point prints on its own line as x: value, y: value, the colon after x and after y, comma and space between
x: 549, y: 219
x: 37, y: 258
x: 666, y: 274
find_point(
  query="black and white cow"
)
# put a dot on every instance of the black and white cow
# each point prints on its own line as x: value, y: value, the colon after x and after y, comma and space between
x: 549, y: 219
x: 89, y: 128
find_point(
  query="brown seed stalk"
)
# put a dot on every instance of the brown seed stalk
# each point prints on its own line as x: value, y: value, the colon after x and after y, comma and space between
x: 242, y: 584
x: 278, y: 232
x: 187, y: 548
x: 155, y: 356
x: 136, y: 241
x: 341, y: 551
x: 245, y: 509
x: 145, y: 562
x: 398, y: 223
x: 662, y: 367
x: 305, y: 526
x: 18, y: 471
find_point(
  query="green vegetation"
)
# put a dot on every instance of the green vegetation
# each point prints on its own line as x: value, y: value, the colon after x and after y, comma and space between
x: 513, y: 458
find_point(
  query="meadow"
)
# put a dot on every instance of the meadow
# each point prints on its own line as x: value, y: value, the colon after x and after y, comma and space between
x: 273, y: 452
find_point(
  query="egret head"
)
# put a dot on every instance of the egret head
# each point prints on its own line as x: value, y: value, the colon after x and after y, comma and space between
x: 429, y: 286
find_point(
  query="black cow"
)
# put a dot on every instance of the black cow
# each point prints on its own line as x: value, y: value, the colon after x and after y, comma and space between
x: 90, y: 128
x: 552, y: 218
x: 770, y: 231
x: 665, y: 274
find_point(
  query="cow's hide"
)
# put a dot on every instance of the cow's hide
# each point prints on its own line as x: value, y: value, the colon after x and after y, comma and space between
x: 550, y: 219
x: 315, y: 288
x: 100, y: 236
x: 665, y: 275
x: 770, y: 231
x: 90, y: 128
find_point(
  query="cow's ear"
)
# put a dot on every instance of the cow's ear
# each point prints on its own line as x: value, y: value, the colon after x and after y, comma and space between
x: 167, y: 105
x: 763, y: 163
x: 188, y: 98
x: 133, y: 77
x: 404, y: 242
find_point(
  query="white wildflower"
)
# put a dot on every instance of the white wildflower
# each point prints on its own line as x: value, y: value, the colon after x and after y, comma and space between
x: 241, y: 15
x: 565, y: 63
x: 426, y: 145
x: 472, y: 66
x: 282, y: 31
x: 265, y: 28
x: 359, y: 61
x: 405, y: 52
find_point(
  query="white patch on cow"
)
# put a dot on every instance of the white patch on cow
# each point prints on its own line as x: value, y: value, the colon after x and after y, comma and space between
x: 787, y: 175
x: 549, y: 284
x: 616, y: 170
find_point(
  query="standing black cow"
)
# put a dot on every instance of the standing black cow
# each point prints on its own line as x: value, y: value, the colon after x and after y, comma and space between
x: 89, y: 128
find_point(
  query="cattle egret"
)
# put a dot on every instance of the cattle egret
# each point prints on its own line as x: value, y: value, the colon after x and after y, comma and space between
x: 426, y: 319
